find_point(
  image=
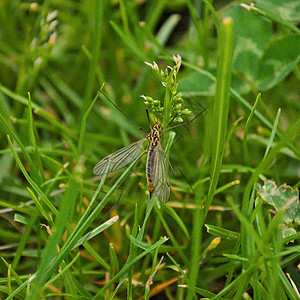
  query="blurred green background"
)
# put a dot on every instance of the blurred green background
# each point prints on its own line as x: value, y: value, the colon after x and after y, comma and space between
x: 61, y: 52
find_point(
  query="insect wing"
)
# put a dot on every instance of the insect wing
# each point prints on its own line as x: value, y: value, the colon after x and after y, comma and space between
x: 161, y: 176
x: 119, y: 159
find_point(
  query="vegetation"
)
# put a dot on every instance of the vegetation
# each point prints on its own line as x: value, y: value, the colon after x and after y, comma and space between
x: 66, y: 233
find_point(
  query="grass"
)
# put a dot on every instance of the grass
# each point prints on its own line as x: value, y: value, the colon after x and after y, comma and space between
x: 235, y: 235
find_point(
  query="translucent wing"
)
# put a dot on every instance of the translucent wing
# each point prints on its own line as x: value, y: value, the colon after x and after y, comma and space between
x: 119, y: 159
x: 161, y: 176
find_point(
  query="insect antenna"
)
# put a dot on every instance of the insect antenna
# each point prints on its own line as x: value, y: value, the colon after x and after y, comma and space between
x: 139, y: 128
x: 183, y: 124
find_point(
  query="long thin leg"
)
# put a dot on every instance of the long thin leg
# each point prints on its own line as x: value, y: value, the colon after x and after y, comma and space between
x: 121, y: 195
x: 123, y: 189
x: 178, y: 169
x: 186, y: 123
x: 147, y: 113
x: 140, y: 128
x: 172, y: 120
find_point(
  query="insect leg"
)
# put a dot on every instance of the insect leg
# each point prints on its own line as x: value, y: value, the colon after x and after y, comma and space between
x: 172, y: 120
x: 139, y: 128
x: 176, y: 171
x: 147, y: 113
x: 121, y: 195
x: 123, y: 189
x: 183, y: 124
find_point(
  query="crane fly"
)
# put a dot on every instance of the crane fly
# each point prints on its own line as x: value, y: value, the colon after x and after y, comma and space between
x: 156, y: 168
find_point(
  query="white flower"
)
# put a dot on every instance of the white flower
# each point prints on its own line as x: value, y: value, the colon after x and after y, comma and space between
x: 154, y: 66
x: 177, y: 59
x: 51, y: 16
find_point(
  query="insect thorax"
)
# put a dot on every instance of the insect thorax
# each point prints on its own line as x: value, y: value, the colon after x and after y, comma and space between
x: 154, y: 135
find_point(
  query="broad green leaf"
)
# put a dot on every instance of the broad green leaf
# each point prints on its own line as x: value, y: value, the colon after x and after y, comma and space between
x: 240, y: 85
x: 288, y: 232
x: 251, y: 37
x: 197, y: 84
x: 279, y: 59
x: 288, y: 10
x: 280, y: 198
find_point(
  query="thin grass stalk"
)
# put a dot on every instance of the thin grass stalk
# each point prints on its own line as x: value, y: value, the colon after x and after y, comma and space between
x: 83, y: 125
x: 247, y: 126
x: 219, y: 129
x: 128, y: 266
x: 50, y: 251
x: 97, y: 39
x: 286, y: 139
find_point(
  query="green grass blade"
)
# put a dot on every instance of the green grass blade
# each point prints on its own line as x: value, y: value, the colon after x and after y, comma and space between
x: 274, y: 129
x: 246, y: 153
x: 25, y: 237
x: 271, y: 16
x: 129, y: 42
x: 128, y: 266
x: 36, y: 167
x: 220, y: 114
x: 83, y: 125
x: 221, y: 105
x: 44, y: 270
x: 96, y: 231
x: 32, y: 183
x: 12, y: 133
x: 98, y: 21
x: 84, y: 224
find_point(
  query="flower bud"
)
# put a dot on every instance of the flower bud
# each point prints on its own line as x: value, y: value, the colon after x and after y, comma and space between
x: 178, y: 106
x: 186, y: 111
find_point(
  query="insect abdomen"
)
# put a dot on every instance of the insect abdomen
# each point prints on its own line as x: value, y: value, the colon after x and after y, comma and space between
x: 150, y: 167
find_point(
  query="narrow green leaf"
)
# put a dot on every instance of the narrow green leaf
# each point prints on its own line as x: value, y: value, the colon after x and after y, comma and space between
x: 57, y: 231
x: 277, y: 11
x: 32, y: 183
x: 113, y: 260
x: 221, y: 232
x: 128, y: 41
x: 83, y: 125
x: 235, y: 257
x: 128, y: 266
x: 248, y: 123
x: 96, y: 231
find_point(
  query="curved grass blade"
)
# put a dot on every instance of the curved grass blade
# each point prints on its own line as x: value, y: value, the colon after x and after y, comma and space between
x: 96, y: 231
x: 85, y: 223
